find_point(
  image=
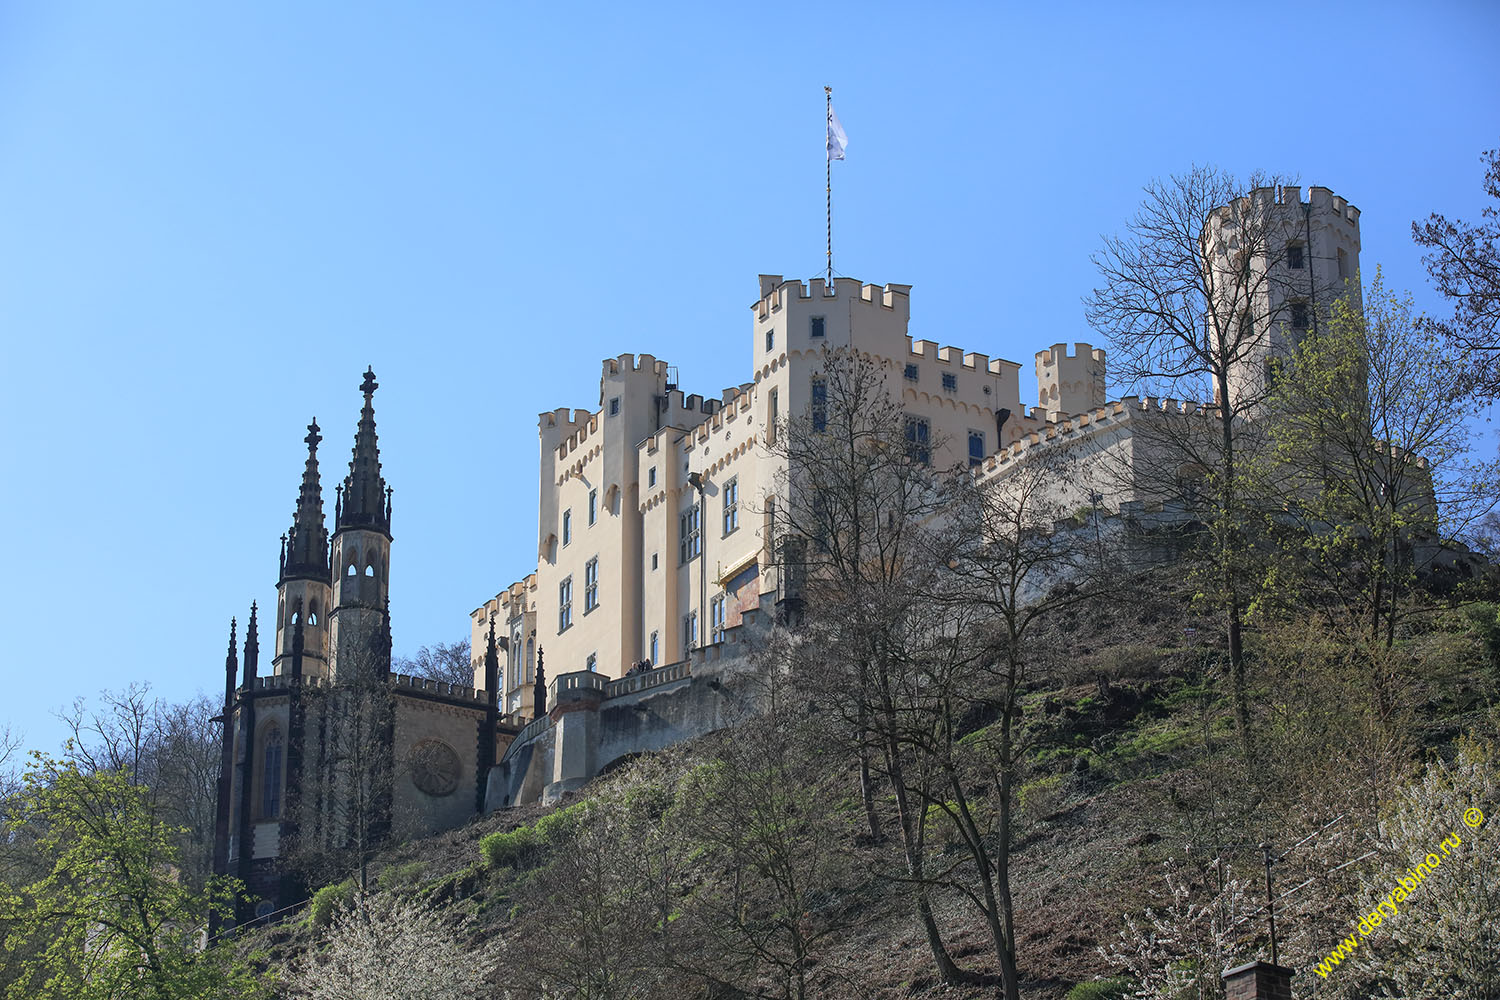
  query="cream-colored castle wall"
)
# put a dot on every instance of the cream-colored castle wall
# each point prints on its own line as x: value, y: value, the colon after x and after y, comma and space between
x: 1070, y: 383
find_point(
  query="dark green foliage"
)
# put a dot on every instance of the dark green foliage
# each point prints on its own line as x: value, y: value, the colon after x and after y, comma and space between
x: 329, y: 900
x: 1117, y: 988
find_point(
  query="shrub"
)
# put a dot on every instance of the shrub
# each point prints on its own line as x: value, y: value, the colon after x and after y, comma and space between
x: 511, y: 847
x: 327, y: 901
x: 1117, y: 988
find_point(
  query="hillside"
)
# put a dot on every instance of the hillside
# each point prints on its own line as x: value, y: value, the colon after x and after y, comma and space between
x: 1131, y: 771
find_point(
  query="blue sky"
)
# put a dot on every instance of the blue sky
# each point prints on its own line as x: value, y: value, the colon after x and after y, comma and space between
x: 214, y: 216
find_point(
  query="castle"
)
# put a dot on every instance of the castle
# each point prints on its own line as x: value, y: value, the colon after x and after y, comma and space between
x: 655, y: 566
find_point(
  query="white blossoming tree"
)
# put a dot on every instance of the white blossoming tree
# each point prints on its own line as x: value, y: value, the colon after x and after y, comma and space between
x: 1445, y: 942
x: 385, y: 947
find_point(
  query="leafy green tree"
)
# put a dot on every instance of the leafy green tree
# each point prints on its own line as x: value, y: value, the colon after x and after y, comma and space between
x: 109, y: 916
x: 1370, y: 457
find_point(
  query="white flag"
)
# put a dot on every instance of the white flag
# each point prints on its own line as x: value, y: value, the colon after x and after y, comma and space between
x: 837, y: 140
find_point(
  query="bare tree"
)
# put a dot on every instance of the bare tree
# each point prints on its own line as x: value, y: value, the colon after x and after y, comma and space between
x: 343, y: 804
x: 442, y: 661
x: 1464, y: 264
x: 858, y: 555
x: 1193, y: 299
x: 767, y: 852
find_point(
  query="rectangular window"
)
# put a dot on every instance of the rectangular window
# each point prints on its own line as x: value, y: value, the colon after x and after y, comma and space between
x: 773, y: 414
x: 614, y: 406
x: 950, y: 382
x: 819, y: 403
x: 817, y: 327
x: 1294, y: 257
x: 1343, y: 264
x: 593, y: 506
x: 911, y: 373
x: 716, y: 618
x: 1299, y: 315
x: 653, y: 560
x: 771, y: 339
x: 592, y: 663
x: 689, y: 535
x: 651, y: 476
x: 567, y: 531
x: 976, y: 448
x: 591, y: 585
x: 916, y: 440
x: 690, y: 631
x: 565, y: 605
x: 731, y: 505
x: 655, y: 647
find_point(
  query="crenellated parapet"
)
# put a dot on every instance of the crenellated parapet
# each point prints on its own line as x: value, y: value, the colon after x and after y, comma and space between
x: 1070, y: 383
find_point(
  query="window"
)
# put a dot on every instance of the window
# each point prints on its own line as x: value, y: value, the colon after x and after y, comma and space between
x: 653, y: 560
x: 976, y: 448
x: 817, y: 327
x: 593, y: 506
x: 1294, y: 257
x: 567, y: 531
x: 819, y: 403
x: 655, y: 647
x: 690, y: 631
x: 1343, y: 264
x: 916, y: 440
x: 690, y: 535
x: 565, y: 605
x: 731, y: 505
x: 614, y: 406
x: 515, y: 654
x: 771, y: 339
x: 591, y: 585
x: 592, y: 663
x: 911, y: 373
x: 950, y: 382
x: 716, y: 618
x: 773, y: 414
x: 651, y: 476
x: 270, y: 777
x: 1299, y: 315
x: 530, y: 657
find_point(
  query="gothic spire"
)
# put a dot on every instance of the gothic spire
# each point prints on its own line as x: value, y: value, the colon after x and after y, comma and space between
x: 252, y: 650
x: 366, y: 501
x: 305, y: 549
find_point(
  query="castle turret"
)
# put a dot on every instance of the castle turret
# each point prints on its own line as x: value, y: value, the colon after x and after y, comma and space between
x: 1281, y: 262
x: 361, y: 553
x: 1069, y: 383
x: 303, y: 587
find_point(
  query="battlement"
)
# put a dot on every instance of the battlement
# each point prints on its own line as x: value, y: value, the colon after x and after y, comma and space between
x: 625, y: 363
x: 1321, y: 200
x: 427, y: 684
x: 775, y: 293
x: 1059, y: 352
x: 972, y: 361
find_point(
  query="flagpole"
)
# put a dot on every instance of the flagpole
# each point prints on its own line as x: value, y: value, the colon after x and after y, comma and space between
x: 828, y: 189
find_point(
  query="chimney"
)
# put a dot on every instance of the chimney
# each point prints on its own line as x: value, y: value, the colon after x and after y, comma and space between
x: 1258, y: 981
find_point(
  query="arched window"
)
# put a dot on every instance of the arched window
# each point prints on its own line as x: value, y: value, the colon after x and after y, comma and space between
x: 352, y: 571
x: 370, y: 570
x: 530, y: 657
x: 270, y: 775
x: 312, y: 612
